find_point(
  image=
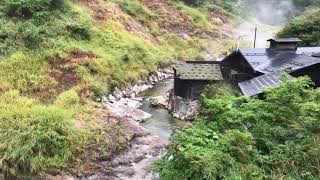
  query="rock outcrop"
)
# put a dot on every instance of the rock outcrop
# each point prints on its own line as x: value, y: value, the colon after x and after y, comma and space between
x: 182, y: 108
x: 160, y: 101
x: 125, y: 102
x: 133, y: 163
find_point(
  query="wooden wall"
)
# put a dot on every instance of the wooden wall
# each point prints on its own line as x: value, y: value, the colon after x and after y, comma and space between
x: 236, y: 69
x: 312, y: 71
x: 189, y: 89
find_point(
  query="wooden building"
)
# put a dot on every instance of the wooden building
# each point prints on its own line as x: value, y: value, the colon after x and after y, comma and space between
x: 245, y: 65
x: 191, y: 77
x: 284, y: 43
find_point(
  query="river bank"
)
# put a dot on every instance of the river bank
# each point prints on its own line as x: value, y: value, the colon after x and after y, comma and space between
x: 156, y: 123
x: 143, y: 128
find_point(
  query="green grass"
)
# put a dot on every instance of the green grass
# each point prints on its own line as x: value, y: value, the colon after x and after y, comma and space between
x: 122, y: 57
x: 25, y: 72
x: 198, y: 18
x: 33, y: 137
x: 136, y: 9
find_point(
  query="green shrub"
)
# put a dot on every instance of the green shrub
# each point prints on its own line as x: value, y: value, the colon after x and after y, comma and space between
x: 79, y: 31
x: 193, y: 2
x: 68, y: 99
x: 305, y: 27
x: 136, y: 9
x: 33, y: 137
x: 31, y: 35
x: 27, y: 8
x: 248, y: 138
x: 3, y: 33
x: 199, y: 19
x: 219, y: 90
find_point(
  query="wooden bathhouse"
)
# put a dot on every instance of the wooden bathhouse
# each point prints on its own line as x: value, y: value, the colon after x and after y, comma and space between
x: 191, y: 77
x: 254, y: 68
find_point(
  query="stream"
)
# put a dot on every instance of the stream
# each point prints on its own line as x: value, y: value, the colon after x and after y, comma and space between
x: 136, y: 163
x: 161, y: 123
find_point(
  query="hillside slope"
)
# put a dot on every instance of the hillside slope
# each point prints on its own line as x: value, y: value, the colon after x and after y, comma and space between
x: 91, y: 42
x: 58, y: 55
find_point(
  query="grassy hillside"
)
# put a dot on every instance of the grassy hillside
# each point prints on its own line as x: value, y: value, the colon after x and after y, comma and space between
x: 58, y: 55
x: 94, y: 44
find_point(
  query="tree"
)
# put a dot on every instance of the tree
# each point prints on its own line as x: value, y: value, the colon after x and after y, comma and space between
x: 306, y: 27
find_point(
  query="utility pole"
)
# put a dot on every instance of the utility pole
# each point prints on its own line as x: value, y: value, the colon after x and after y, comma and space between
x: 255, y: 37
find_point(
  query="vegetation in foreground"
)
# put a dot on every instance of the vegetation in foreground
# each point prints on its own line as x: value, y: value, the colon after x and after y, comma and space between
x: 34, y: 137
x: 237, y: 137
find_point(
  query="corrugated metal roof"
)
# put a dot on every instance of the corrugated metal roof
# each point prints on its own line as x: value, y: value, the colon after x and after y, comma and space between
x: 316, y: 55
x: 255, y: 86
x: 283, y: 40
x: 270, y: 60
x: 308, y: 50
x: 194, y: 71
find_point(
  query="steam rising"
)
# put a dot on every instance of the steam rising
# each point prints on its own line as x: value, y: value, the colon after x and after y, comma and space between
x: 273, y: 13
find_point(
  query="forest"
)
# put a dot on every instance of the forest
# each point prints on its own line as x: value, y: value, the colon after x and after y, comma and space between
x: 59, y: 58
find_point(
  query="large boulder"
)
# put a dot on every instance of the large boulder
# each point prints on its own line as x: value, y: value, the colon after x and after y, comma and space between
x: 159, y: 101
x: 126, y: 111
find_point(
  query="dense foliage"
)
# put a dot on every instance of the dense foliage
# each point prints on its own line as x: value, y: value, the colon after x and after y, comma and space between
x: 28, y: 8
x: 306, y: 27
x: 247, y: 138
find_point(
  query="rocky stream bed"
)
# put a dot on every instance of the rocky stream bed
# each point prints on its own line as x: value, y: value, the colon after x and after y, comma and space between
x: 145, y: 103
x: 148, y: 112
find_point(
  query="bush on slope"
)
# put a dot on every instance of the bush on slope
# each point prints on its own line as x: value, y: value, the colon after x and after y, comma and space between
x: 305, y: 27
x: 248, y: 138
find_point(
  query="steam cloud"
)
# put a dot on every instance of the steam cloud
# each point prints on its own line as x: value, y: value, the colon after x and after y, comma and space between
x: 274, y: 12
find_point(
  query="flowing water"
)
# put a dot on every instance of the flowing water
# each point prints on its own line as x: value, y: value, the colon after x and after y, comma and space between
x: 161, y: 123
x: 161, y: 126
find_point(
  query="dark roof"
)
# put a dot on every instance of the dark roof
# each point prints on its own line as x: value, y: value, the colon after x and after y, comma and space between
x: 271, y: 60
x: 284, y: 40
x: 255, y: 86
x: 198, y: 71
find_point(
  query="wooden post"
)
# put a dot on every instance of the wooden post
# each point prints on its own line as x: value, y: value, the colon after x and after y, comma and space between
x: 255, y: 37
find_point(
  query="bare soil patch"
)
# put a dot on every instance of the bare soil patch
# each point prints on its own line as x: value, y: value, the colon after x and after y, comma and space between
x: 172, y: 20
x: 63, y: 70
x: 98, y: 11
x: 218, y: 17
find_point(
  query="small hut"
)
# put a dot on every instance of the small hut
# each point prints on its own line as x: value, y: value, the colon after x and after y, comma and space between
x: 191, y: 77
